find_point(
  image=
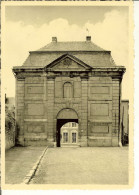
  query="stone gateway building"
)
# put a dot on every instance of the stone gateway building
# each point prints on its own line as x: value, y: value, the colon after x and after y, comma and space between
x: 66, y: 82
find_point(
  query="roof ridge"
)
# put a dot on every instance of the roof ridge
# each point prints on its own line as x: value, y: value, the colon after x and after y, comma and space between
x: 71, y: 46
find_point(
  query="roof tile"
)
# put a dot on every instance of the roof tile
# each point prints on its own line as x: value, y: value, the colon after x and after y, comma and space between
x: 71, y: 46
x: 86, y: 51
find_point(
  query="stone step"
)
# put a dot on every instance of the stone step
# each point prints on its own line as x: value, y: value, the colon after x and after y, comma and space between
x: 69, y: 145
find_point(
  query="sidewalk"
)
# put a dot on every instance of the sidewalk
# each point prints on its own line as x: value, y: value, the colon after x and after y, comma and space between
x: 19, y: 161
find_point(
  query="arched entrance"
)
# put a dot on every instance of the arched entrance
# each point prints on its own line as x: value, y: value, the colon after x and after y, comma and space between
x: 63, y: 117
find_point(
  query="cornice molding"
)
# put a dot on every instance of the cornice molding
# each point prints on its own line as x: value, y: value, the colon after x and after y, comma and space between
x: 113, y: 72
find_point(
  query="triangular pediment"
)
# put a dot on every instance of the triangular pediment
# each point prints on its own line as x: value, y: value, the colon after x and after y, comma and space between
x: 68, y: 62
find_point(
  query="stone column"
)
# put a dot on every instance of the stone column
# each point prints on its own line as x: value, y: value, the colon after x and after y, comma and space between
x: 50, y: 109
x: 84, y: 111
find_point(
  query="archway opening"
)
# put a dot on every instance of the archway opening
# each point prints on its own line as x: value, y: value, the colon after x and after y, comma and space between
x: 66, y: 116
x: 67, y: 132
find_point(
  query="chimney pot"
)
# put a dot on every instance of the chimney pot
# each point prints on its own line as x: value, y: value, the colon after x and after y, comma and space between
x: 88, y: 38
x: 54, y: 39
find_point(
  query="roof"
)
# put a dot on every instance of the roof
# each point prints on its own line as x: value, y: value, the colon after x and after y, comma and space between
x: 86, y: 51
x: 100, y: 59
x: 71, y: 46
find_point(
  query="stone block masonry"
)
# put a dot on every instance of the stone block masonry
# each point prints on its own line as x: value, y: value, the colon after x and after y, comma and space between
x: 73, y: 83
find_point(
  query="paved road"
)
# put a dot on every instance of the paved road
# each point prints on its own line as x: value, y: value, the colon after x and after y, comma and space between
x: 83, y: 166
x: 19, y: 161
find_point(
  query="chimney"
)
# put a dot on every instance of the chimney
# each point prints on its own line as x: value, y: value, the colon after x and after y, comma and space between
x: 88, y: 38
x: 54, y: 39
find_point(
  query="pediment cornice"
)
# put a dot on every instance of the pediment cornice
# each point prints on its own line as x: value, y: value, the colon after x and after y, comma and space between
x: 68, y: 62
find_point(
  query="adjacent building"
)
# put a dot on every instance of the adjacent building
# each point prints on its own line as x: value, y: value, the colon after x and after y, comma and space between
x: 69, y: 135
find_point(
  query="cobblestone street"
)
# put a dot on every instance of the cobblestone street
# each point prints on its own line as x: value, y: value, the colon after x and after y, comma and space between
x: 107, y: 165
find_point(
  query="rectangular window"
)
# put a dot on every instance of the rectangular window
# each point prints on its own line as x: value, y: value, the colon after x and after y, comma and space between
x: 73, y: 137
x: 65, y: 137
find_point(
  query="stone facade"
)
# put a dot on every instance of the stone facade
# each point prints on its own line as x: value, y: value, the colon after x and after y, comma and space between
x: 69, y: 82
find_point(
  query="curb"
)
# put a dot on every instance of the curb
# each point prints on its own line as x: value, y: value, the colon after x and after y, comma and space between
x: 32, y: 172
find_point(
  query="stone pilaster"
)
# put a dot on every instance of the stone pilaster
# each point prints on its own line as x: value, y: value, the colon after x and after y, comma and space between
x: 116, y: 96
x: 20, y: 110
x: 45, y: 104
x: 50, y: 109
x: 84, y: 112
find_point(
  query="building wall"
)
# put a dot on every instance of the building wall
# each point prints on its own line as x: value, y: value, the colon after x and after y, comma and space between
x: 35, y: 112
x: 96, y: 101
x: 100, y: 111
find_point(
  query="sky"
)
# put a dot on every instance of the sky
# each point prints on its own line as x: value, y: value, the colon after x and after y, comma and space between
x: 29, y: 28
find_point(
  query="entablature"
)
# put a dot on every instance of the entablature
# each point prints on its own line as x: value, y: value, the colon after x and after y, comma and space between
x: 110, y: 72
